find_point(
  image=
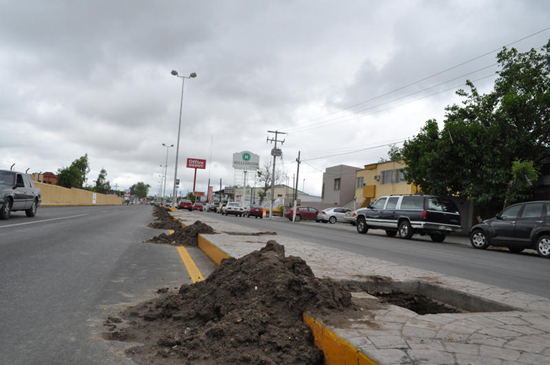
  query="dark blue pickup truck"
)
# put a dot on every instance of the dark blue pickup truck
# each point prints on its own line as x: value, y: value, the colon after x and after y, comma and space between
x: 17, y: 192
x: 410, y: 214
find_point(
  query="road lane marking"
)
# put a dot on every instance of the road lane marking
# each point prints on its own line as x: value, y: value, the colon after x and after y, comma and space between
x: 44, y: 220
x: 190, y: 265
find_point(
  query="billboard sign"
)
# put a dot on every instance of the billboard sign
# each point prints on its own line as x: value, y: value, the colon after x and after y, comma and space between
x: 195, y: 163
x: 246, y: 160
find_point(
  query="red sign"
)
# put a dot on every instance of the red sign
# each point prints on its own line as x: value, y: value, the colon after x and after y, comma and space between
x: 198, y: 193
x: 195, y: 163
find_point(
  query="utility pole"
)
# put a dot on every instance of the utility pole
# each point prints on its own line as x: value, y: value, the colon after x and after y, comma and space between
x: 296, y: 189
x: 274, y: 152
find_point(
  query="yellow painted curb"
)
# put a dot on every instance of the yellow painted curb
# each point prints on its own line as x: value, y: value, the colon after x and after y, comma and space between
x: 336, y: 350
x: 212, y: 251
x: 190, y: 265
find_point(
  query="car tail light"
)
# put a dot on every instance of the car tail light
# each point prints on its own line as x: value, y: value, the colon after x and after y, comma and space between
x: 424, y: 214
x: 354, y: 214
x: 325, y: 213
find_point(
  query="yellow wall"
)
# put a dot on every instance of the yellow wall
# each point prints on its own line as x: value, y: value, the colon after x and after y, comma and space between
x: 373, y: 189
x: 58, y: 195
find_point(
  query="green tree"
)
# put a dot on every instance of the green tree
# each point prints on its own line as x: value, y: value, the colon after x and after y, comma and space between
x: 68, y: 177
x: 101, y: 184
x: 492, y: 147
x: 74, y: 176
x: 140, y: 189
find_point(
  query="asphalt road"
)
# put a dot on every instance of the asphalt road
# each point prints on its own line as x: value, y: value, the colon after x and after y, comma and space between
x: 65, y: 270
x: 525, y: 272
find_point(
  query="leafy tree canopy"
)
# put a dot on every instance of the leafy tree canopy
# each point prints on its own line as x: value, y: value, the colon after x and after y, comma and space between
x: 74, y: 176
x: 493, y: 147
x: 101, y: 184
x: 140, y: 189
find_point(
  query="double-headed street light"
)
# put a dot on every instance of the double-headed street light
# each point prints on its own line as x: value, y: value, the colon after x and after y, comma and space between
x: 192, y: 75
x: 165, y: 171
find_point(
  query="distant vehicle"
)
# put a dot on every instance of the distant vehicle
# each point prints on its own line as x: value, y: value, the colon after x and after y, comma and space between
x: 212, y: 207
x: 520, y: 226
x: 234, y: 208
x: 332, y: 215
x: 198, y: 206
x: 303, y: 213
x: 17, y: 192
x: 350, y: 217
x: 255, y: 211
x: 185, y: 204
x: 410, y: 214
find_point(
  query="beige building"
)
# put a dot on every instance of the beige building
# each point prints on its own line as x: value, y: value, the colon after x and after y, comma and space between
x: 380, y: 179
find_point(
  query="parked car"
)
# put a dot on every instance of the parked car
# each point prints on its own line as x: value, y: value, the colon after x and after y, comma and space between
x: 17, y: 192
x: 410, y: 214
x: 303, y: 213
x: 332, y: 215
x: 185, y: 204
x: 234, y: 208
x: 255, y: 211
x: 351, y: 217
x: 212, y: 207
x: 520, y: 226
x: 198, y: 206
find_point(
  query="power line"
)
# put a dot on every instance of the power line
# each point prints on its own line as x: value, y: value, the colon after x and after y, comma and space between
x: 421, y: 80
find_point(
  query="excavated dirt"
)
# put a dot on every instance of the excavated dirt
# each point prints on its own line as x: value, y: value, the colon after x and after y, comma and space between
x: 247, y: 311
x: 163, y: 220
x: 188, y: 236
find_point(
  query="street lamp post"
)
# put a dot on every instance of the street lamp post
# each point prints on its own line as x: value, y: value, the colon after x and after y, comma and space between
x: 192, y: 75
x: 165, y: 173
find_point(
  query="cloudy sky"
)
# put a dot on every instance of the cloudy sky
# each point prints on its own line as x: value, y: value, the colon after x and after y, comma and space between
x: 344, y: 79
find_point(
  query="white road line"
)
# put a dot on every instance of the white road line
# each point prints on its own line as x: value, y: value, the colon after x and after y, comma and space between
x: 45, y: 220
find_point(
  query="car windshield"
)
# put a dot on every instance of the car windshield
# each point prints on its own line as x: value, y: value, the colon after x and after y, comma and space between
x: 7, y: 178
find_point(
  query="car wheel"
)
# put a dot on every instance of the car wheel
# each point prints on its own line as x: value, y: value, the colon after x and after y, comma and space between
x: 405, y: 230
x: 298, y: 218
x: 391, y: 233
x: 438, y: 237
x: 31, y: 212
x: 478, y: 239
x: 332, y: 220
x: 515, y: 249
x: 543, y: 246
x: 6, y: 209
x: 362, y: 225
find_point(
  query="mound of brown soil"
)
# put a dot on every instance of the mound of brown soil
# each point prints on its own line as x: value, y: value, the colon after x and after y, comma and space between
x: 163, y: 220
x: 188, y: 236
x: 248, y: 311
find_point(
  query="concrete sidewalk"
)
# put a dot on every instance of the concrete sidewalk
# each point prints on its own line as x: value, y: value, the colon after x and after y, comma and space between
x: 499, y: 326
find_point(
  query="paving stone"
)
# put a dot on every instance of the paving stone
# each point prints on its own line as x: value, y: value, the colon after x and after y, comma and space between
x: 476, y: 360
x: 498, y: 353
x: 500, y: 333
x: 391, y: 356
x: 388, y: 342
x: 525, y: 346
x: 462, y: 348
x: 527, y: 358
x: 524, y: 329
x: 412, y: 331
x: 425, y: 344
x: 430, y: 357
x: 486, y: 340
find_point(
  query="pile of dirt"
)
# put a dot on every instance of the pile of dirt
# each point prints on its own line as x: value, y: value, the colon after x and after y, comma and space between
x: 248, y: 311
x: 163, y: 220
x: 188, y: 236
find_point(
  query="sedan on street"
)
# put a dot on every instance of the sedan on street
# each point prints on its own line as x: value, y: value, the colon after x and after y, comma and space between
x: 332, y: 215
x: 303, y: 213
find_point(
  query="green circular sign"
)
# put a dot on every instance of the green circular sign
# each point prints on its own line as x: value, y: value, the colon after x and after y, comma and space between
x: 246, y: 156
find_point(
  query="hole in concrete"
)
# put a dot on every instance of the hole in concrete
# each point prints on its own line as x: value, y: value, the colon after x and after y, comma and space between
x: 426, y: 298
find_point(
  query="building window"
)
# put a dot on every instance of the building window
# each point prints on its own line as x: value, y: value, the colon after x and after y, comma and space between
x: 387, y: 177
x: 401, y: 176
x: 337, y: 184
x: 359, y: 182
